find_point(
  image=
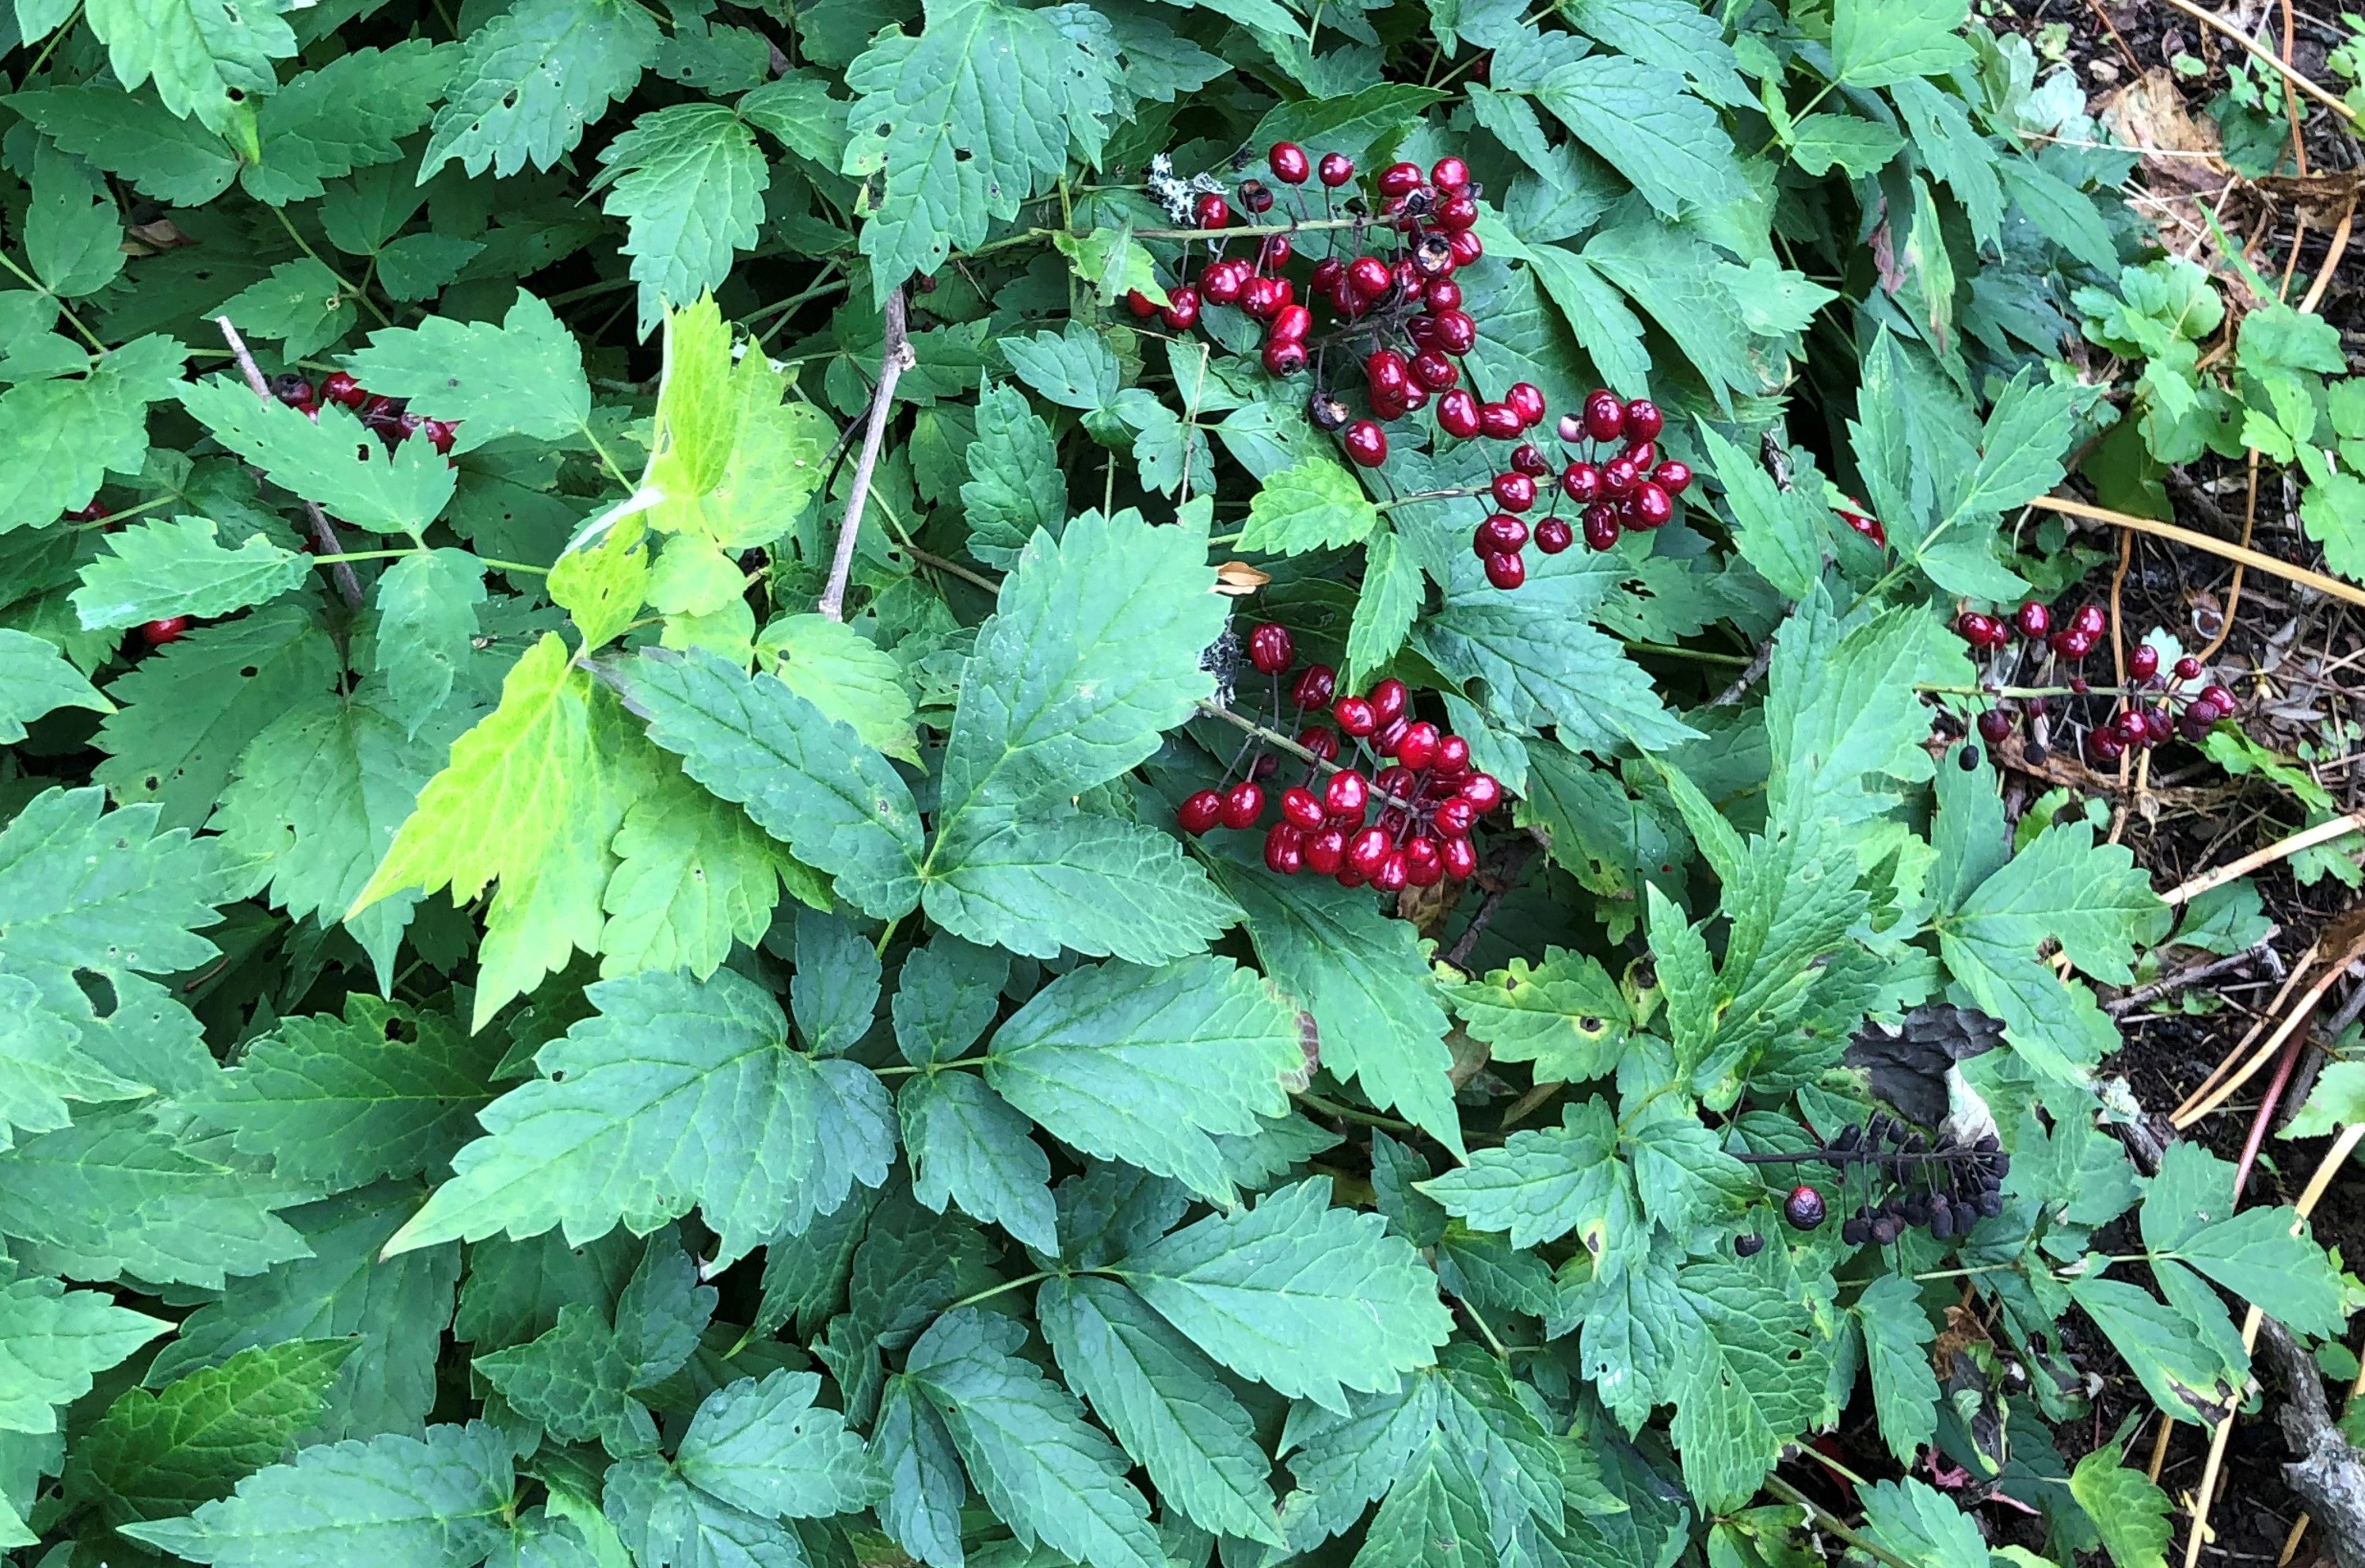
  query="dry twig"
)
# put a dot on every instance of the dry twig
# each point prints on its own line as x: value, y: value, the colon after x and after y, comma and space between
x: 894, y: 358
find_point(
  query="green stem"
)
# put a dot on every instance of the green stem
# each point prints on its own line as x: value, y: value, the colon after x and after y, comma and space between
x: 63, y: 308
x: 50, y: 43
x: 1670, y: 651
x: 115, y: 517
x: 1023, y: 1280
x: 1831, y: 1523
x: 396, y: 554
x: 1368, y: 1118
x: 306, y: 246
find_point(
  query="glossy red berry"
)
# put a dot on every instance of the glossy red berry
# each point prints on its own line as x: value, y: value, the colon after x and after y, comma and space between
x: 1673, y: 477
x: 2130, y: 727
x: 1449, y: 173
x: 1500, y: 421
x: 1386, y: 374
x: 1423, y: 867
x: 1452, y: 757
x: 1466, y: 247
x: 338, y: 387
x: 1455, y: 215
x: 2104, y: 747
x: 1482, y: 791
x: 1243, y: 803
x: 1995, y: 724
x: 1434, y: 371
x: 1291, y: 323
x: 1441, y: 294
x: 1140, y: 304
x: 1285, y: 850
x: 1399, y: 180
x: 1605, y: 416
x: 1459, y: 859
x: 1366, y: 850
x: 1803, y: 1208
x: 1326, y: 851
x: 440, y: 435
x: 1619, y: 476
x: 1500, y: 534
x: 1315, y: 687
x: 1270, y: 648
x: 1346, y: 795
x: 1355, y: 716
x: 1457, y: 413
x: 172, y: 629
x: 1334, y: 169
x: 1514, y: 491
x: 1453, y: 331
x: 1199, y: 812
x: 1301, y: 807
x: 2188, y: 669
x: 1211, y: 211
x: 1529, y: 460
x: 1650, y: 504
x: 1369, y: 277
x: 2143, y: 661
x: 1182, y: 309
x: 1581, y: 482
x: 1282, y: 357
x: 1388, y: 698
x: 1274, y: 253
x: 1288, y: 162
x: 2070, y: 644
x: 1393, y: 874
x: 1506, y: 571
x: 2033, y: 621
x: 1319, y: 739
x: 1417, y: 749
x: 2220, y: 698
x: 1365, y: 443
x: 1554, y: 535
x: 1528, y: 399
x: 1644, y: 420
x: 1600, y: 526
x: 1974, y: 628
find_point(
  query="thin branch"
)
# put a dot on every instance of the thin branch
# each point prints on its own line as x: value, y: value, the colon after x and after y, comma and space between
x: 2185, y: 979
x: 894, y: 358
x: 2322, y: 833
x: 1750, y: 674
x: 2266, y: 57
x: 324, y: 533
x: 1822, y: 1520
x: 1514, y: 860
x: 2316, y: 580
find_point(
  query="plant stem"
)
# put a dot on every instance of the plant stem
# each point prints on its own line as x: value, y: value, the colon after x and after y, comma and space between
x: 1286, y: 743
x: 1020, y: 1282
x: 1831, y: 1523
x: 894, y: 358
x: 324, y: 533
x: 63, y: 308
x: 1368, y: 1118
x: 1670, y: 651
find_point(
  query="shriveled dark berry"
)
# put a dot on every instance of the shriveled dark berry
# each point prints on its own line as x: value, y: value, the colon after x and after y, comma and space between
x: 1803, y: 1208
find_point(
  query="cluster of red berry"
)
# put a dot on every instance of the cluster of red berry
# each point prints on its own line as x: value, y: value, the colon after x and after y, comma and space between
x: 1609, y: 467
x: 2149, y: 709
x: 1428, y: 795
x: 386, y: 417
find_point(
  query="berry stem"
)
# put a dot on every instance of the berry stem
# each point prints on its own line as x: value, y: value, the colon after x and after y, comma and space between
x: 1274, y: 738
x: 894, y: 358
x: 324, y: 533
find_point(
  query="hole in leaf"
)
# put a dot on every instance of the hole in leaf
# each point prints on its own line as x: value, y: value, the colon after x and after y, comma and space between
x: 99, y: 989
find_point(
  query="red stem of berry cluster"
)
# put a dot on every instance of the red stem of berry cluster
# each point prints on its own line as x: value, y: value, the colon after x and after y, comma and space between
x: 324, y: 533
x: 1280, y: 742
x: 894, y: 358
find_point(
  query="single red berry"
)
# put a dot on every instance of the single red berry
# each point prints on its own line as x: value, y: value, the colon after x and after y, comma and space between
x: 1506, y: 571
x: 1994, y: 725
x: 1529, y: 460
x: 1366, y: 850
x: 1644, y: 455
x: 1388, y: 698
x: 1554, y: 535
x: 1391, y: 733
x: 2032, y: 620
x: 1301, y: 807
x: 1455, y: 215
x: 1283, y: 359
x: 172, y: 629
x: 1423, y: 866
x: 1220, y: 282
x: 1394, y: 873
x: 2143, y: 661
x: 2158, y: 725
x: 1441, y: 294
x: 1385, y: 375
x: 2071, y: 644
x: 1291, y: 323
x: 1270, y: 648
x: 2200, y: 713
x: 2088, y: 619
x: 1369, y: 277
x: 1366, y: 443
x: 1285, y: 850
x: 338, y: 387
x: 1211, y: 211
x: 1449, y: 173
x: 1140, y: 304
x: 1243, y: 803
x: 1355, y: 716
x: 1461, y: 861
x: 1600, y: 526
x: 1454, y: 330
x: 1347, y: 795
x: 1454, y: 817
x: 1199, y: 812
x: 1274, y: 253
x: 1644, y: 420
x: 1482, y: 791
x: 1334, y: 169
x: 90, y: 513
x: 1326, y: 851
x: 1529, y: 399
x: 1288, y: 164
x: 1514, y: 491
x: 1399, y: 179
x: 1650, y: 504
x: 2220, y: 698
x: 1452, y: 757
x: 1457, y: 413
x: 1619, y: 476
x: 1263, y: 298
x: 2102, y: 746
x: 1500, y: 534
x: 1673, y: 477
x: 1181, y: 308
x: 291, y: 388
x: 1605, y: 416
x: 1500, y: 421
x: 440, y: 435
x: 2129, y: 727
x: 1314, y: 686
x: 1803, y: 1208
x: 1581, y: 482
x: 1319, y: 739
x: 2188, y: 669
x: 1433, y: 370
x: 1417, y: 749
x: 1972, y: 627
x: 1466, y: 247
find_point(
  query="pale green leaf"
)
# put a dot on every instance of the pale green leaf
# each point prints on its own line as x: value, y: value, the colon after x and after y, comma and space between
x: 2129, y: 1512
x: 210, y: 59
x: 689, y: 181
x: 1316, y: 505
x: 133, y: 135
x: 334, y: 461
x: 1670, y: 144
x: 848, y: 678
x: 35, y: 679
x: 426, y: 626
x: 1035, y: 882
x: 1544, y: 1182
x: 1385, y: 607
x: 534, y: 77
x: 52, y: 1341
x: 768, y: 1448
x: 1878, y: 42
x: 1015, y: 486
x: 1565, y: 1014
x: 299, y: 302
x: 61, y: 437
x: 349, y: 114
x: 693, y: 876
x: 42, y: 1065
x: 966, y: 1146
x: 1897, y: 1338
x: 523, y: 378
x: 158, y: 568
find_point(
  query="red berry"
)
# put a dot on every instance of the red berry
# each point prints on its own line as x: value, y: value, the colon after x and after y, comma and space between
x: 1461, y: 861
x: 1514, y: 492
x: 1994, y: 725
x: 1273, y: 254
x: 1334, y: 169
x: 1366, y: 850
x: 1500, y: 534
x: 1243, y: 803
x: 1365, y: 443
x: 1528, y: 399
x: 1457, y: 413
x: 1418, y: 748
x: 172, y: 629
x: 1399, y: 179
x: 1972, y: 627
x: 1388, y: 698
x: 1642, y: 454
x: 1256, y: 196
x: 1506, y: 571
x: 1369, y: 277
x: 1650, y: 504
x: 1423, y: 866
x: 1301, y: 807
x: 2032, y: 620
x: 1287, y: 162
x: 1314, y: 686
x: 1527, y: 459
x: 2088, y: 619
x: 1449, y: 173
x: 1393, y: 872
x: 1181, y: 308
x: 1618, y: 477
x: 1262, y: 298
x: 1211, y: 211
x: 1346, y: 795
x: 1140, y: 304
x: 1644, y: 420
x: 338, y: 387
x: 1270, y: 648
x: 1220, y: 282
x: 1386, y: 374
x: 1452, y: 757
x: 2130, y: 727
x: 2200, y: 712
x: 2143, y: 661
x: 1354, y: 716
x: 1455, y: 215
x: 1326, y: 851
x: 291, y: 388
x: 1466, y: 247
x: 1673, y: 477
x: 2188, y: 669
x: 1291, y: 323
x: 2071, y: 644
x: 1433, y: 370
x: 1605, y: 416
x: 1281, y: 357
x: 1319, y: 739
x: 1581, y: 482
x: 1285, y: 850
x: 1803, y: 1208
x: 2157, y: 726
x: 1554, y: 535
x: 1500, y: 421
x: 2220, y: 698
x: 1600, y: 526
x: 2102, y: 746
x: 1482, y: 791
x: 1441, y: 294
x: 1199, y: 812
x: 1453, y: 331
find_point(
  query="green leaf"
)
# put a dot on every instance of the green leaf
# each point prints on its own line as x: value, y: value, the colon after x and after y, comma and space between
x: 2129, y: 1511
x: 1781, y: 532
x: 208, y: 59
x: 1752, y: 1373
x: 1035, y: 884
x: 155, y: 569
x: 1386, y: 606
x: 1918, y: 1522
x: 965, y: 122
x: 693, y: 876
x: 532, y: 796
x: 61, y: 437
x: 434, y: 1503
x: 1671, y: 34
x: 1682, y: 284
x: 156, y: 1455
x: 925, y: 1488
x: 1365, y: 981
x: 42, y: 1065
x: 1607, y: 330
x: 1543, y: 1184
x: 806, y: 778
x: 1566, y: 1015
x: 299, y: 302
x: 796, y: 107
x: 677, y: 1092
x: 1897, y: 1338
x: 2060, y: 211
x: 36, y: 679
x: 2183, y: 1374
x: 1310, y: 1300
x: 1670, y: 144
x: 1165, y: 1402
x: 1046, y: 1474
x: 1842, y: 716
x: 385, y: 1091
x: 573, y: 1381
x: 335, y: 461
x: 349, y: 114
x: 427, y: 623
x: 966, y: 1146
x: 1150, y: 1065
x: 689, y: 183
x: 134, y: 135
x: 1820, y: 142
x: 1317, y: 504
x: 1015, y: 486
x: 2261, y: 1254
x: 834, y: 996
x: 848, y: 678
x: 768, y: 1448
x: 523, y: 378
x: 534, y: 77
x: 73, y: 231
x: 949, y: 994
x: 52, y: 1341
x: 1877, y: 42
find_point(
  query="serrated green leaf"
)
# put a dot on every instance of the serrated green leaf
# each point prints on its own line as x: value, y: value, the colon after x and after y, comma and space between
x: 693, y: 876
x: 156, y: 1455
x: 157, y: 569
x: 61, y: 437
x: 834, y: 994
x: 1751, y: 1376
x: 208, y: 59
x: 1670, y: 143
x: 1878, y: 42
x: 2129, y: 1511
x: 1916, y: 1520
x: 676, y: 1093
x: 335, y: 461
x: 1543, y: 1184
x: 796, y: 109
x: 1897, y: 1338
x: 1307, y: 1299
x: 966, y: 1146
x: 805, y: 778
x: 1102, y: 887
x: 533, y: 77
x: 2184, y: 1375
x: 925, y: 1488
x: 689, y: 183
x: 42, y: 1065
x: 768, y: 1448
x: 965, y: 122
x: 349, y: 114
x: 385, y: 1091
x: 849, y: 679
x: 575, y: 1382
x: 1565, y: 1014
x: 36, y: 679
x: 299, y: 302
x: 134, y: 135
x: 1316, y: 505
x: 1015, y: 486
x: 427, y: 620
x: 947, y: 996
x: 1780, y: 533
x: 523, y: 378
x: 1820, y: 142
x: 52, y: 1341
x: 1385, y: 608
x: 1046, y: 1474
x: 434, y: 1503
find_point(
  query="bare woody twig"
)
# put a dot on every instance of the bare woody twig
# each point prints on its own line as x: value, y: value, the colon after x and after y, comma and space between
x: 1514, y: 862
x: 324, y: 532
x: 894, y: 358
x: 2266, y: 58
x: 2330, y: 586
x: 2184, y: 979
x: 2308, y: 838
x: 2329, y: 1472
